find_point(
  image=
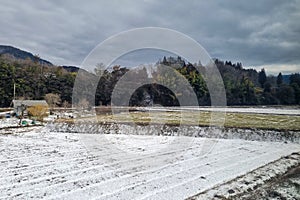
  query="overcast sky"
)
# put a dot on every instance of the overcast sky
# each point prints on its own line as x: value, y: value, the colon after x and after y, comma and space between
x: 258, y: 33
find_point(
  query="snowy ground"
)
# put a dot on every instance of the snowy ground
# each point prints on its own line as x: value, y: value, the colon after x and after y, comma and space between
x: 9, y: 122
x: 260, y: 110
x: 41, y: 164
x: 277, y: 180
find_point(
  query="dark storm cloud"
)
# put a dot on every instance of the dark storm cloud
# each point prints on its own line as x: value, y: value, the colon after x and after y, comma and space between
x: 257, y: 33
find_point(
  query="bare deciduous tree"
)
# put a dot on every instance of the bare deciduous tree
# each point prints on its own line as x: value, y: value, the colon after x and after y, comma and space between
x: 83, y: 103
x: 53, y: 99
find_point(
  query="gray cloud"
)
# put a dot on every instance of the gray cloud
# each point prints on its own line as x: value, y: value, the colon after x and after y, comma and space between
x: 257, y: 33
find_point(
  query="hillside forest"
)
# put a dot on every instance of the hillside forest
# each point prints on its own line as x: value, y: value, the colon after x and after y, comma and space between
x: 36, y: 80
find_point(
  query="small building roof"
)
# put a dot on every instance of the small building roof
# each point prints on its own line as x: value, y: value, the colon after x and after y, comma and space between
x: 29, y: 102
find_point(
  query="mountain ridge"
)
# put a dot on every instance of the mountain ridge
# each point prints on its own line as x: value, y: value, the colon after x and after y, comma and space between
x: 21, y: 54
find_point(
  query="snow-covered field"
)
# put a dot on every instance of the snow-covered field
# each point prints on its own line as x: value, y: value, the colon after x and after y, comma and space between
x: 53, y: 165
x: 260, y: 110
x: 9, y: 122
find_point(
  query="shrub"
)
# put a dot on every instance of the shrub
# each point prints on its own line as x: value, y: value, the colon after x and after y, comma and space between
x: 38, y: 111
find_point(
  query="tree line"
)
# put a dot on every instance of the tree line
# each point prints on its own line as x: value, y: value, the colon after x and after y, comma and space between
x: 33, y: 80
x: 249, y: 87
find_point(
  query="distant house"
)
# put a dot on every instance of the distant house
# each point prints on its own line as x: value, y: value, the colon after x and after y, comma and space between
x: 22, y: 105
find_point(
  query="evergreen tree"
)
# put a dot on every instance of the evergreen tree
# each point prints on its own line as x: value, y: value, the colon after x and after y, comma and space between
x: 286, y: 95
x: 262, y: 77
x: 279, y: 79
x: 295, y: 84
x: 295, y: 78
x: 267, y: 87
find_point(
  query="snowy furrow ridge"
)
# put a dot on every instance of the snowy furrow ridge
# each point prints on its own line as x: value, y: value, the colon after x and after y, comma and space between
x: 244, y: 184
x: 193, y: 131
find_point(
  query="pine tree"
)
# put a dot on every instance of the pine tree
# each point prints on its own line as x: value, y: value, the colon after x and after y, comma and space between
x: 262, y: 77
x: 279, y: 79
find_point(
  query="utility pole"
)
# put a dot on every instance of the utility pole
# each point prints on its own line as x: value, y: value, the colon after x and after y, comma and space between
x: 14, y: 91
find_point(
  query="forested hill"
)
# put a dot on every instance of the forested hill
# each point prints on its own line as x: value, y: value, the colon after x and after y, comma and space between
x: 36, y: 80
x: 20, y: 54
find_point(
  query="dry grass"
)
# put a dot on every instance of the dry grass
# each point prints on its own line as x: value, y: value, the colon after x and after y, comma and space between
x: 202, y: 118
